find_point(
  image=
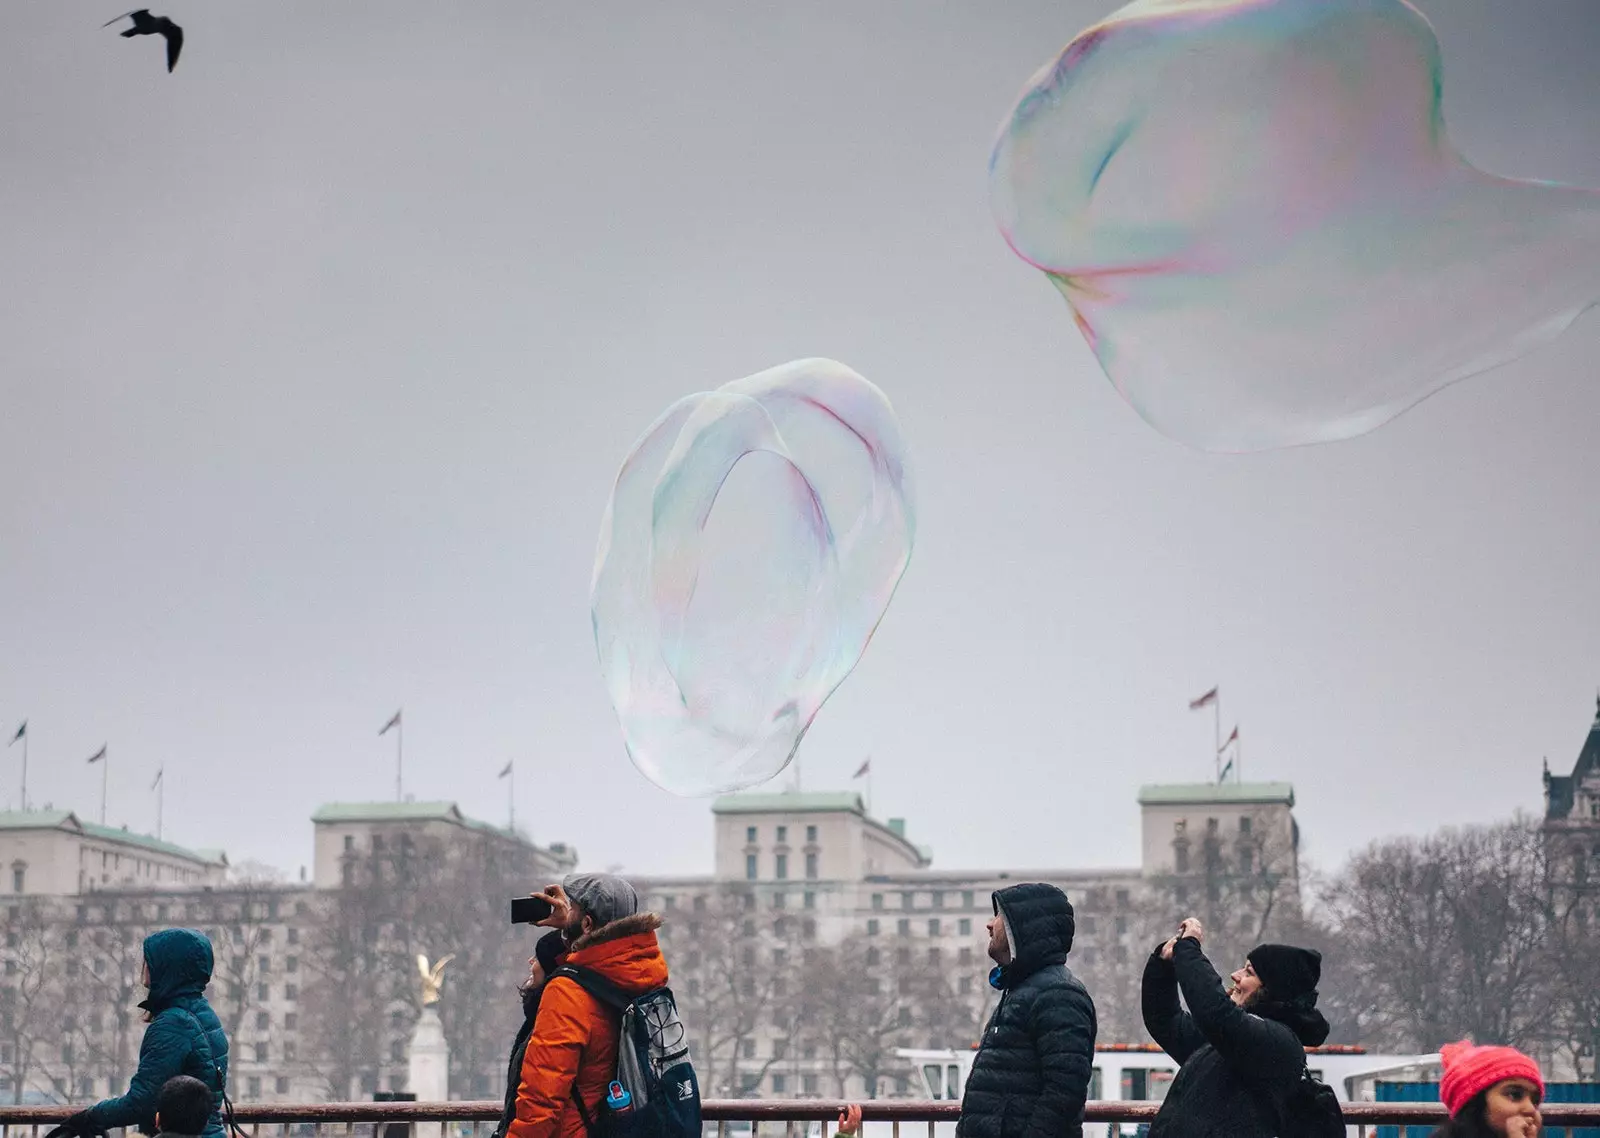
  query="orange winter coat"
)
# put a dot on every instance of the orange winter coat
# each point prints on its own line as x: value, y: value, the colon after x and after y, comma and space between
x: 574, y: 1041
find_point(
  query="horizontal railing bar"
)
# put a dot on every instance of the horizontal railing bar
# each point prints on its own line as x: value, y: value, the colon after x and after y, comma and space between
x: 774, y: 1110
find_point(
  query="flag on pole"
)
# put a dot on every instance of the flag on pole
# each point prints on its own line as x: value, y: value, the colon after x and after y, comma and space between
x: 505, y: 772
x: 393, y: 722
x: 160, y: 771
x: 98, y: 755
x: 21, y: 732
x: 1228, y: 742
x: 865, y: 767
x: 1204, y: 701
x: 1225, y: 769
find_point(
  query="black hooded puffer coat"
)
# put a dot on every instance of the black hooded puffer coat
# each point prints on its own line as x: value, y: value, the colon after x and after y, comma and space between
x: 1236, y: 1066
x: 1031, y: 1074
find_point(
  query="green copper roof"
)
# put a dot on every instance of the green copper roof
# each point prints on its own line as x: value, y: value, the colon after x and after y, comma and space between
x: 56, y: 819
x: 387, y: 812
x: 824, y: 802
x: 1205, y: 793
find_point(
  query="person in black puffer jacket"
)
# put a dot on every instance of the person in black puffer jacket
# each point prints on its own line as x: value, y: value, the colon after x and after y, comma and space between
x: 1240, y: 1052
x: 1031, y: 1074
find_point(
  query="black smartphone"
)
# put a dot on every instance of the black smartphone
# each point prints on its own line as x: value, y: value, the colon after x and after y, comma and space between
x: 529, y: 910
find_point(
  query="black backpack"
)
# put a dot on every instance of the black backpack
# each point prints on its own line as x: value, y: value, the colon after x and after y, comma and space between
x: 653, y: 1068
x: 1311, y: 1110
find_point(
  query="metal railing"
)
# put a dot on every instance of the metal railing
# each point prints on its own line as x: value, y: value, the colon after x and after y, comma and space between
x: 724, y: 1117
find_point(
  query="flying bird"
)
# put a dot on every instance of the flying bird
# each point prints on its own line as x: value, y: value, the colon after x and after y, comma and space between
x: 144, y: 24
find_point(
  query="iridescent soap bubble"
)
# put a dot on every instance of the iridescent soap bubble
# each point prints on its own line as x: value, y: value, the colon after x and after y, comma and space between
x: 727, y: 611
x: 1262, y: 229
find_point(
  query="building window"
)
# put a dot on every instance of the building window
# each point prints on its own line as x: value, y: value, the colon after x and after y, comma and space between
x: 808, y: 928
x: 282, y: 1085
x: 750, y: 834
x: 291, y: 1021
x: 349, y: 841
x: 933, y: 954
x: 293, y: 935
x: 780, y: 900
x: 938, y: 899
x: 966, y: 956
x: 874, y: 958
x: 872, y: 927
x: 290, y: 992
x: 811, y: 900
x: 397, y: 1052
x: 1244, y: 825
x: 288, y: 1051
x: 783, y: 834
x: 1122, y: 898
x: 908, y: 900
x: 253, y: 1086
x: 19, y: 877
x: 933, y: 926
x: 263, y: 992
x: 811, y: 867
x: 1088, y: 925
x: 1180, y: 857
x: 781, y: 866
x: 808, y: 1085
x: 905, y: 927
x: 264, y: 964
x: 1247, y: 860
x: 263, y: 1021
x: 749, y: 867
x: 964, y: 985
x: 966, y: 899
x: 811, y: 834
x: 291, y: 964
x: 747, y: 1049
x: 877, y: 900
x: 964, y: 926
x: 778, y: 1084
x: 261, y: 1053
x: 1122, y: 926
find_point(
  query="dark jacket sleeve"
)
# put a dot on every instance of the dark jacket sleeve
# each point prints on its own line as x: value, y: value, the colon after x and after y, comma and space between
x: 1168, y: 1024
x: 1062, y: 1024
x: 167, y: 1043
x: 1253, y: 1047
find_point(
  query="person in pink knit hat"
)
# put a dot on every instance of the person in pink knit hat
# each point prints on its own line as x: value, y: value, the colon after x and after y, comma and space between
x: 1490, y: 1092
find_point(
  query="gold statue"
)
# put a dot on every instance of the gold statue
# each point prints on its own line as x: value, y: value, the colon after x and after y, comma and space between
x: 432, y: 979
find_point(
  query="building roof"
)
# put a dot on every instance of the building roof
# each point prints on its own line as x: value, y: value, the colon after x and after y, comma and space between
x: 1560, y: 789
x: 388, y: 812
x: 1207, y: 793
x: 826, y: 802
x: 67, y: 820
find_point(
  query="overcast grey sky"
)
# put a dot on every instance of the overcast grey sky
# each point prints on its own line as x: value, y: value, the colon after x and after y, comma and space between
x: 319, y: 355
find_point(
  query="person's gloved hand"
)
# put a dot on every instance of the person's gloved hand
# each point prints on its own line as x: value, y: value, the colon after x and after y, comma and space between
x: 76, y: 1126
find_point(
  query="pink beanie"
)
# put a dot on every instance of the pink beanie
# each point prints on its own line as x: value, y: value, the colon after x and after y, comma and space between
x: 1469, y: 1069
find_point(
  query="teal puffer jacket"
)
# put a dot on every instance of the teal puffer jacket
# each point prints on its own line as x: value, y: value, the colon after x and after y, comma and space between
x: 185, y: 1037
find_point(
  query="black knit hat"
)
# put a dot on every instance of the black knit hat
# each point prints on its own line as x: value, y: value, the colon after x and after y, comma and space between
x: 548, y: 951
x: 1286, y: 971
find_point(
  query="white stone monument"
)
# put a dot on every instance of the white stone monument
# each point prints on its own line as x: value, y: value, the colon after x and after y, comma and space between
x: 429, y: 1076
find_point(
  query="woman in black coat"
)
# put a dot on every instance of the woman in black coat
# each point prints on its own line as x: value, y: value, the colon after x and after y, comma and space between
x: 1240, y: 1051
x: 547, y: 955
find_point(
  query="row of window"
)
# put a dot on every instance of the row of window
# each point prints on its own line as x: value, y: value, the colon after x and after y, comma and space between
x: 752, y: 835
x: 780, y: 867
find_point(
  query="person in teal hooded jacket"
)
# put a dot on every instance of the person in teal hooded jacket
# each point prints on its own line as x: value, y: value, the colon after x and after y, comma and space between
x: 185, y: 1037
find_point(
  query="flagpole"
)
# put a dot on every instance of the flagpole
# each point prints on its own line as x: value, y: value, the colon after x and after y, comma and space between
x: 161, y: 796
x: 513, y: 794
x: 24, y: 767
x: 399, y: 758
x: 105, y: 767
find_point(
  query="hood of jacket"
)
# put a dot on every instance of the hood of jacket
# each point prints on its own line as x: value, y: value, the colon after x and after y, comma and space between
x: 1299, y: 1015
x: 180, y: 964
x: 625, y: 952
x: 1040, y: 927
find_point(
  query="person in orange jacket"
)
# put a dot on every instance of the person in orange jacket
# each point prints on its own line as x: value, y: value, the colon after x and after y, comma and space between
x: 572, y: 1055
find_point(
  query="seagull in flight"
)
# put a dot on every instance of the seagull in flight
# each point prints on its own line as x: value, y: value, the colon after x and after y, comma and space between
x: 144, y: 24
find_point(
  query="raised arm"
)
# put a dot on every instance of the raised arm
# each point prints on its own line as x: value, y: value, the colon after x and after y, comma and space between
x: 1250, y: 1044
x: 1166, y: 1021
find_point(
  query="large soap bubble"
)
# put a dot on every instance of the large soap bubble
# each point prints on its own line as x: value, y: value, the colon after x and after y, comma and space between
x: 1261, y: 227
x: 720, y: 639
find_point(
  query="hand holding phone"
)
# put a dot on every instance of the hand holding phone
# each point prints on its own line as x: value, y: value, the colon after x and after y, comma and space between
x: 530, y: 910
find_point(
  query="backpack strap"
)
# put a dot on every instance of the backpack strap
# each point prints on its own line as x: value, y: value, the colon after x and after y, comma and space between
x: 597, y: 986
x: 583, y: 1111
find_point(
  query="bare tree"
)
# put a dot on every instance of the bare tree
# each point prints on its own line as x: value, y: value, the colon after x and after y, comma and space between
x: 1449, y: 935
x: 30, y: 999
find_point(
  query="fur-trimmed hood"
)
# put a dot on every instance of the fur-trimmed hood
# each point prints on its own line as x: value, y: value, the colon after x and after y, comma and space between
x: 616, y: 930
